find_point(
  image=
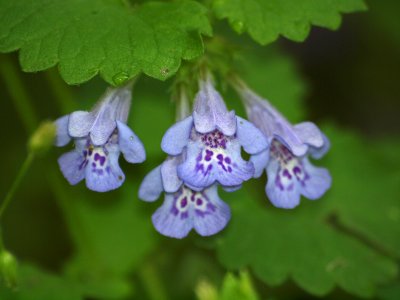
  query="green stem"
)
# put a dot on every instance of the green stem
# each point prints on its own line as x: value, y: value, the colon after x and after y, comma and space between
x: 17, y: 181
x: 16, y: 89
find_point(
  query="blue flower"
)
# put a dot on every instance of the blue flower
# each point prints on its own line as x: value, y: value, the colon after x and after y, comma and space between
x: 290, y: 173
x: 99, y: 136
x: 210, y: 141
x: 183, y: 209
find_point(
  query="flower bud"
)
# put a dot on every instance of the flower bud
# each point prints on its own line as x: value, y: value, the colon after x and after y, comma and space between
x: 43, y: 138
x: 8, y: 269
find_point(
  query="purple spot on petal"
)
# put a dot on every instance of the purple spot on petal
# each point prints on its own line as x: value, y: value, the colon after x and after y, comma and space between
x: 199, y: 201
x: 297, y: 170
x: 220, y: 157
x: 278, y: 182
x: 184, y: 202
x: 185, y: 215
x: 228, y: 160
x: 286, y: 174
x: 174, y: 211
x: 211, y: 207
x: 209, y: 155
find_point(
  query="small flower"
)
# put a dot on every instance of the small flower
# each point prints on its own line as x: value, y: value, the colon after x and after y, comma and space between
x: 290, y: 173
x: 99, y: 136
x: 211, y: 140
x: 183, y: 209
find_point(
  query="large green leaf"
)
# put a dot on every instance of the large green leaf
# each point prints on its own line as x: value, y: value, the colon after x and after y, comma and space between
x: 86, y: 37
x: 265, y: 20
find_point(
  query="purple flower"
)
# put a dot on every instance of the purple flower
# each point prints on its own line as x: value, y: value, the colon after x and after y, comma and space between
x: 290, y: 173
x: 99, y: 136
x: 211, y: 140
x: 183, y: 209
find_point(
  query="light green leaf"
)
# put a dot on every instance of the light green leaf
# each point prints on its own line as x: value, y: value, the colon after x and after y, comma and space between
x: 240, y: 288
x: 265, y: 20
x: 233, y: 288
x: 36, y: 284
x: 87, y: 37
x: 307, y: 244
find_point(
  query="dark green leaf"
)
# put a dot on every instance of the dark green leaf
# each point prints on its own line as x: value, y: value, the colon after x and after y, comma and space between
x: 86, y: 37
x: 266, y: 20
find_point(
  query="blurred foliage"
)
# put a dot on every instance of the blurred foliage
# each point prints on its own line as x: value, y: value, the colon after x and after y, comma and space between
x: 75, y: 244
x: 233, y: 288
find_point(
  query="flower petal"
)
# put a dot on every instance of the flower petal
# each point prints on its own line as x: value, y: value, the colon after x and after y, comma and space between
x: 318, y: 153
x: 169, y: 174
x: 80, y: 123
x: 172, y: 218
x: 204, y: 166
x: 282, y: 188
x: 260, y: 162
x: 177, y: 137
x: 151, y: 186
x: 72, y: 166
x: 210, y: 111
x: 309, y: 133
x: 318, y: 182
x: 113, y: 107
x: 212, y: 215
x: 231, y: 189
x: 62, y: 137
x: 130, y: 145
x: 106, y: 175
x: 250, y: 137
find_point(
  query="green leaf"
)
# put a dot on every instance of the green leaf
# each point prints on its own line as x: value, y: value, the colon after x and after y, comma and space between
x: 306, y: 244
x: 87, y: 37
x: 266, y: 20
x: 118, y: 236
x: 36, y: 284
x: 365, y: 195
x: 390, y: 292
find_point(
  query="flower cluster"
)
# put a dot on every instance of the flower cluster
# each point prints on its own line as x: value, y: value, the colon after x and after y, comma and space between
x: 204, y: 151
x: 99, y: 137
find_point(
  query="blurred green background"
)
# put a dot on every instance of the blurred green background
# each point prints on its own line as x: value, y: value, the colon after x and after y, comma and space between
x: 68, y: 239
